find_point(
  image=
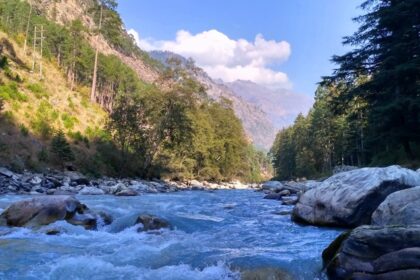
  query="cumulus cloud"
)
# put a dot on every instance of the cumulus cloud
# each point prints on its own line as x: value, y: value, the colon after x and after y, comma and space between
x: 227, y: 59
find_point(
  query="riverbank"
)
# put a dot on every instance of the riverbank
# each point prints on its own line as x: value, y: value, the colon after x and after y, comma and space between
x: 70, y: 183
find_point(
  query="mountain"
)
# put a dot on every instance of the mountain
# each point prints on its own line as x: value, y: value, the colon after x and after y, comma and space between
x: 141, y: 120
x: 281, y: 105
x: 256, y: 122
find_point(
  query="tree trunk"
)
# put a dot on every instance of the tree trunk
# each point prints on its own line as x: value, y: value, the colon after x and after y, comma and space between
x: 95, y: 67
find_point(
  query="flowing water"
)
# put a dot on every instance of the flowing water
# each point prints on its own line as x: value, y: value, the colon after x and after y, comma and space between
x: 215, y: 235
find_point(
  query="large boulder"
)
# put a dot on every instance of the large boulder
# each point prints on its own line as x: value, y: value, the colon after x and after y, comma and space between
x: 375, y: 253
x: 348, y: 199
x: 45, y: 210
x: 399, y: 208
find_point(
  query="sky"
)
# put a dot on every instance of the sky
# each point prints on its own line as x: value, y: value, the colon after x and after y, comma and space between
x: 278, y: 43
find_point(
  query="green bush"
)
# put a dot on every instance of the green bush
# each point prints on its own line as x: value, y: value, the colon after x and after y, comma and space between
x: 37, y: 90
x: 79, y: 138
x: 68, y: 121
x: 11, y: 92
x: 60, y: 148
x: 43, y: 155
x: 24, y: 130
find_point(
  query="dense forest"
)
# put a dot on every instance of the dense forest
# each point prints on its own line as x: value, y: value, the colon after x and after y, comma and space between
x: 368, y: 111
x: 167, y: 129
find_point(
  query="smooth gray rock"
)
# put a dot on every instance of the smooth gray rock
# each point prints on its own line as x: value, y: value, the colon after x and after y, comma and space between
x: 272, y: 185
x: 6, y: 172
x: 91, y: 191
x: 371, y: 252
x: 127, y: 192
x: 399, y: 208
x: 348, y: 199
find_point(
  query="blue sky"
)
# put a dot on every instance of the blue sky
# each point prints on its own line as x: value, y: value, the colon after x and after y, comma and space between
x: 303, y: 33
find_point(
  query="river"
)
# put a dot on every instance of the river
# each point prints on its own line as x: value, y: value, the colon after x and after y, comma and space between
x: 214, y: 235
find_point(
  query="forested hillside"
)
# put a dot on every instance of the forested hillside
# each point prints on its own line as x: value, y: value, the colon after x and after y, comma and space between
x: 143, y: 119
x: 368, y: 111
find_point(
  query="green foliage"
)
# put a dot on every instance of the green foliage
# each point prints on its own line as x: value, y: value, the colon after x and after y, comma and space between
x: 43, y: 155
x: 387, y: 51
x: 41, y: 123
x: 61, y: 149
x: 10, y: 91
x: 368, y: 112
x: 69, y: 121
x: 78, y: 137
x: 37, y: 90
x: 24, y: 130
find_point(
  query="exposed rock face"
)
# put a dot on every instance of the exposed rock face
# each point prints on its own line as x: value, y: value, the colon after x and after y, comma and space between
x: 371, y: 252
x: 150, y: 222
x: 348, y: 199
x: 45, y: 210
x: 401, y: 208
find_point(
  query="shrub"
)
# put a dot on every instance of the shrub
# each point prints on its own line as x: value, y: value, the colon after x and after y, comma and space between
x: 43, y: 155
x: 68, y: 121
x: 42, y: 127
x: 37, y: 90
x: 24, y: 130
x: 60, y: 148
x: 11, y: 92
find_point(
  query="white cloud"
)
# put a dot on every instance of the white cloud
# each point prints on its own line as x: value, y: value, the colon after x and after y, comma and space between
x: 225, y: 58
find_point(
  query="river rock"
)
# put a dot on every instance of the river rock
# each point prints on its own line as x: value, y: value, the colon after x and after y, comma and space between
x: 289, y: 200
x: 377, y: 253
x: 268, y: 273
x: 127, y: 192
x: 6, y: 172
x: 348, y: 199
x: 151, y: 222
x: 91, y: 191
x: 273, y: 195
x: 399, y: 208
x: 271, y: 185
x: 45, y: 210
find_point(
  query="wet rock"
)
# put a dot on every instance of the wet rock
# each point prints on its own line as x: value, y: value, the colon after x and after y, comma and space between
x: 371, y: 252
x: 126, y: 192
x: 151, y: 222
x: 348, y: 199
x: 106, y: 218
x: 282, y: 212
x: 265, y: 274
x: 91, y: 191
x: 289, y: 200
x: 400, y: 208
x: 52, y: 232
x: 275, y: 196
x: 45, y: 210
x: 119, y: 187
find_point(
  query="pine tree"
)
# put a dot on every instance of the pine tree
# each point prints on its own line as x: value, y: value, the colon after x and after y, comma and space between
x: 61, y: 148
x: 388, y: 53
